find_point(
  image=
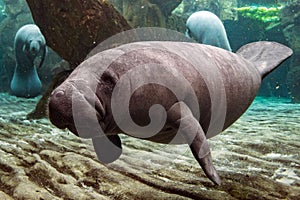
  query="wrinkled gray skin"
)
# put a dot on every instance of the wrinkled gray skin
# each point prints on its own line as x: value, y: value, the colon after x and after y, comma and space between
x: 29, y: 43
x: 206, y: 28
x: 203, y: 66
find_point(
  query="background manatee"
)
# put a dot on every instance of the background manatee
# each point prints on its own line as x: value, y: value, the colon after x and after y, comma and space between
x: 29, y: 43
x: 206, y: 28
x: 165, y: 92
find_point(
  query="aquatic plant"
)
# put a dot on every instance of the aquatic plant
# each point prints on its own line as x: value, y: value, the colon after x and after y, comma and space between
x: 260, y: 13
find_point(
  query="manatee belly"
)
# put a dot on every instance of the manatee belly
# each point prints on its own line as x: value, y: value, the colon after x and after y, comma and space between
x: 167, y: 135
x: 26, y: 83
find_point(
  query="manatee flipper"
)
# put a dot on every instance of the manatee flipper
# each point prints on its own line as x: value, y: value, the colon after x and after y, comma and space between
x: 266, y: 55
x: 45, y: 51
x: 108, y: 148
x: 188, y: 33
x: 25, y: 48
x: 180, y: 117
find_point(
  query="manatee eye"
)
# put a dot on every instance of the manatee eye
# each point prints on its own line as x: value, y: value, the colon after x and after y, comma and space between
x: 108, y: 79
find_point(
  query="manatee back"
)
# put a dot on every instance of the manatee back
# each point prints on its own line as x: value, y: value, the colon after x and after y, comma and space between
x: 265, y: 55
x: 224, y: 83
x: 206, y: 28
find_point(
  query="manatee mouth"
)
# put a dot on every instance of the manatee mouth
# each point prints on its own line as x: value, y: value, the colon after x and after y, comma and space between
x: 97, y: 104
x: 71, y: 128
x: 88, y: 114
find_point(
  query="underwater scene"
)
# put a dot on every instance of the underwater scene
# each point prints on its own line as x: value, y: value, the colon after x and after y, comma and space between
x: 149, y: 99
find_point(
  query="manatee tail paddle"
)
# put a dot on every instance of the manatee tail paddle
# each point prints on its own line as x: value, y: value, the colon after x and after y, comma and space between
x: 265, y: 55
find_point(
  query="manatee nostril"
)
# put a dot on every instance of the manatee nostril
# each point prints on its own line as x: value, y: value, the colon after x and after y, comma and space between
x: 59, y: 94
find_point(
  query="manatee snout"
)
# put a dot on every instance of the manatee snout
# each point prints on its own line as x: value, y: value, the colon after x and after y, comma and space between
x: 34, y: 47
x: 76, y: 108
x: 60, y: 107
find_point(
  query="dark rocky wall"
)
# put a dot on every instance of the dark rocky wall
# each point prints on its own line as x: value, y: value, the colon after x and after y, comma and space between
x: 284, y: 81
x: 291, y: 24
x: 223, y: 9
x: 146, y: 13
x: 244, y: 31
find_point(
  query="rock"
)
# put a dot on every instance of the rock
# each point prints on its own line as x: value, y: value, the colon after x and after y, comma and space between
x: 223, y: 9
x: 166, y: 6
x: 5, y: 196
x: 226, y: 9
x: 141, y: 13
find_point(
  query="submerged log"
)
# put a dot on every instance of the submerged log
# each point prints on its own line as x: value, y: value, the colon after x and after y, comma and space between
x: 72, y: 28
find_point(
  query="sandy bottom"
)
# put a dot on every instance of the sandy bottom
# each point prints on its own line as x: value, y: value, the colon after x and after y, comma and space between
x: 258, y: 157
